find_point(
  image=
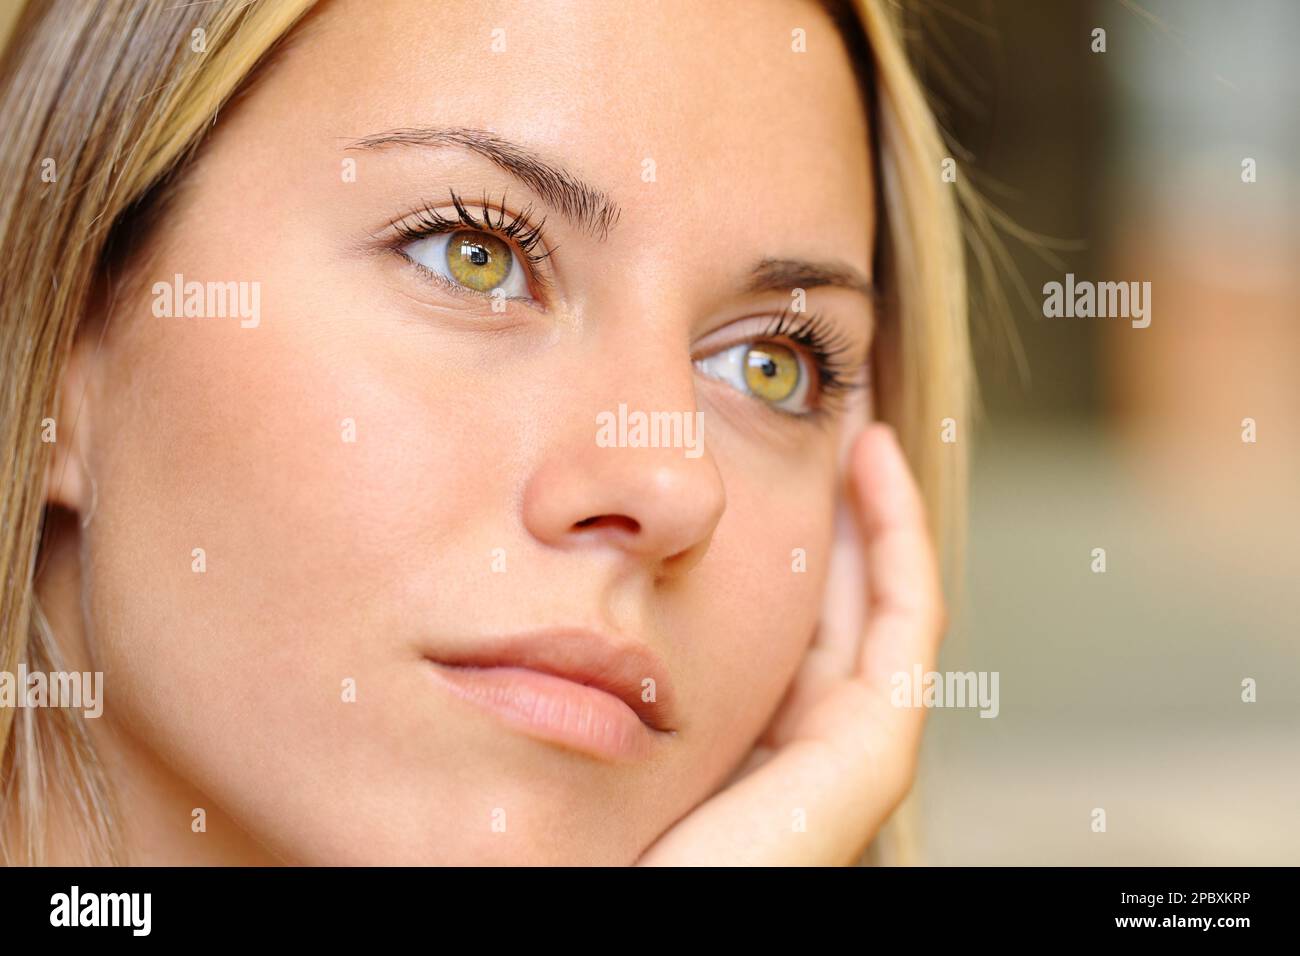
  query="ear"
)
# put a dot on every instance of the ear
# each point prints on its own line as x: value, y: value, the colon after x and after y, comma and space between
x: 67, y: 479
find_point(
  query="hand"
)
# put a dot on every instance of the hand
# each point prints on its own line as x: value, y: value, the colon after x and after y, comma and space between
x: 837, y: 749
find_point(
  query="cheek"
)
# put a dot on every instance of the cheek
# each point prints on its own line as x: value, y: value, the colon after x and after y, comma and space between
x: 760, y: 588
x: 318, y: 479
x: 303, y: 473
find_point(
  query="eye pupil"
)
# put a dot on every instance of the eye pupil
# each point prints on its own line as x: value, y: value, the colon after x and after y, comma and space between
x: 475, y: 253
x: 768, y: 367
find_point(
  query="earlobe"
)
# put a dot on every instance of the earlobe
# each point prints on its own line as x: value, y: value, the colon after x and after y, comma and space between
x: 68, y: 483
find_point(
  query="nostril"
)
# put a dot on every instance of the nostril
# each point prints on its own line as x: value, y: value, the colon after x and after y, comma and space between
x: 622, y: 522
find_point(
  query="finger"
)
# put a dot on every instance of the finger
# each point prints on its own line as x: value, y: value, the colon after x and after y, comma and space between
x: 843, y: 606
x: 905, y: 618
x: 843, y: 613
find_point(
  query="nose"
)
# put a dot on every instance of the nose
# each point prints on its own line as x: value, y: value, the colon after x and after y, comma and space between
x: 635, y: 475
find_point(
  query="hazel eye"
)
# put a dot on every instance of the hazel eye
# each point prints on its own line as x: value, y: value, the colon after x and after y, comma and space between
x: 774, y: 373
x: 472, y: 259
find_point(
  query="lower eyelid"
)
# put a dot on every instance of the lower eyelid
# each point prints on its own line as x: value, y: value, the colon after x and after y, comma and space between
x: 813, y: 415
x: 429, y: 274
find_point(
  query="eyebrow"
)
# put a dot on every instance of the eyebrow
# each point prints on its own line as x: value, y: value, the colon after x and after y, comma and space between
x: 591, y: 209
x: 582, y: 204
x: 781, y: 275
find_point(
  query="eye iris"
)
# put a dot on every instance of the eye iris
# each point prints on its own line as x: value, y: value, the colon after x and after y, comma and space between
x: 771, y: 372
x: 478, y: 260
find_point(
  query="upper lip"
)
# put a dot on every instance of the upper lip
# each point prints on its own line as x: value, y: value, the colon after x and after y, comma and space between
x: 618, y: 667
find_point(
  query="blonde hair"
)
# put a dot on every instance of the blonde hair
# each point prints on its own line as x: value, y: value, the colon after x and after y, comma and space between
x: 118, y: 96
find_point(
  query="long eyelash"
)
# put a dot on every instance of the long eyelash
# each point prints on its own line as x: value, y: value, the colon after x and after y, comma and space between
x: 839, y: 372
x: 427, y: 221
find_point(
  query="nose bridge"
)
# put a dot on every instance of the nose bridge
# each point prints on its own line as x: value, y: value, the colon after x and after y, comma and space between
x: 641, y: 366
x: 629, y: 363
x: 626, y: 461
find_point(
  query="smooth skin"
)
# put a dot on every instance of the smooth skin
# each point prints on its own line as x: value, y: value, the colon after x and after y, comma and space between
x: 329, y: 561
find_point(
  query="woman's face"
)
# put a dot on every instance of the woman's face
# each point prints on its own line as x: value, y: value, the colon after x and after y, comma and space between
x: 391, y: 470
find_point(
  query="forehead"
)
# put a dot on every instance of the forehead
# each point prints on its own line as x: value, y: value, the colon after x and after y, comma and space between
x: 743, y: 130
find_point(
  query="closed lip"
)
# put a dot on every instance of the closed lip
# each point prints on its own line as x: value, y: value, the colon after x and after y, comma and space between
x: 583, y: 689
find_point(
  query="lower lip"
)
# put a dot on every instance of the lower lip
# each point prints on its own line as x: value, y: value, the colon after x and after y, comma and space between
x: 553, y: 709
